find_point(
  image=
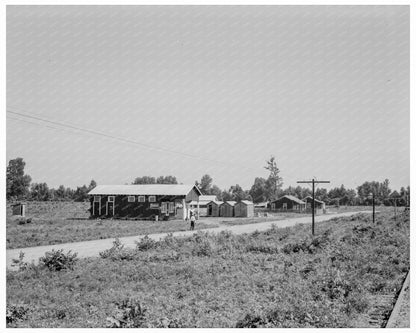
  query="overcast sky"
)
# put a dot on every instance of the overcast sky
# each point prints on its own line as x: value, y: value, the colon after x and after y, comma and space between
x: 217, y: 90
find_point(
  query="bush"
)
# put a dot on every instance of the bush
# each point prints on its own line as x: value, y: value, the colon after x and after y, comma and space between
x: 202, y: 245
x: 15, y: 313
x: 129, y: 314
x: 118, y: 252
x: 146, y: 243
x: 20, y: 263
x: 58, y: 260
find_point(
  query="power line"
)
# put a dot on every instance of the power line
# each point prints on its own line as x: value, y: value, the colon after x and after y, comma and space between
x: 120, y: 139
x: 313, y: 181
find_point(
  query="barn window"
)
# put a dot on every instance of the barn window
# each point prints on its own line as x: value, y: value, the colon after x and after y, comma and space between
x: 171, y: 207
x: 152, y: 198
x: 141, y: 198
x: 111, y: 198
x: 97, y: 198
x: 284, y: 205
x: 131, y: 198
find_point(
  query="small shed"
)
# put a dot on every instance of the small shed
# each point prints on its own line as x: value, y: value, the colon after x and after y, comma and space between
x: 227, y: 208
x: 244, y: 208
x: 288, y: 203
x: 19, y: 209
x: 213, y: 208
x: 202, y: 204
x: 319, y: 205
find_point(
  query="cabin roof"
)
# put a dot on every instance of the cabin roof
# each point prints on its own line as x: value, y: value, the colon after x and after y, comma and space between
x: 246, y: 202
x: 148, y: 189
x: 316, y: 200
x: 215, y: 202
x: 231, y: 203
x: 292, y: 198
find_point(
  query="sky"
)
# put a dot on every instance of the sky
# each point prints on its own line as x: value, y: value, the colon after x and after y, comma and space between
x: 112, y: 93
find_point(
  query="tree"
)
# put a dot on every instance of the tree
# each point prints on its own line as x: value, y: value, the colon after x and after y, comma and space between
x: 259, y: 190
x: 321, y: 194
x: 60, y: 193
x: 17, y: 182
x: 166, y: 180
x: 205, y: 184
x: 92, y: 185
x: 274, y: 182
x: 381, y: 192
x: 145, y: 180
x: 40, y: 192
x: 81, y: 193
x: 215, y: 190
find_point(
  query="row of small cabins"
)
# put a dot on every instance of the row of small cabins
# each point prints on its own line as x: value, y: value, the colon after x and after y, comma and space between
x: 177, y: 201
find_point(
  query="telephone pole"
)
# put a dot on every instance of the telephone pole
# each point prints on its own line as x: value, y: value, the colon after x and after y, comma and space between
x: 313, y: 182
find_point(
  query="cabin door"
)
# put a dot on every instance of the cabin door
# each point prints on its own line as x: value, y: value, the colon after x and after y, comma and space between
x: 96, y: 208
x: 110, y: 206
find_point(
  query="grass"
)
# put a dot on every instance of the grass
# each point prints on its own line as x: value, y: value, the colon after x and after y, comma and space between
x: 65, y: 222
x: 278, y: 278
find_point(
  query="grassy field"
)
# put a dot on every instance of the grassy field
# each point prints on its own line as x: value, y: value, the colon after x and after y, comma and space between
x: 64, y: 222
x: 278, y: 278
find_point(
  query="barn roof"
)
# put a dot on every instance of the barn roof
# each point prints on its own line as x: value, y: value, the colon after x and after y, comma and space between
x: 316, y: 200
x: 246, y: 202
x: 148, y: 189
x: 291, y: 197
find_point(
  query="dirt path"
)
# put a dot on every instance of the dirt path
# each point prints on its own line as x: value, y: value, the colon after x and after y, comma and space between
x: 93, y: 248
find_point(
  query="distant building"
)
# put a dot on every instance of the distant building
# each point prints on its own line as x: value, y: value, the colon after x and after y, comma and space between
x: 227, y: 209
x: 319, y: 205
x: 288, y: 203
x: 203, y: 204
x: 213, y: 208
x: 142, y: 201
x: 261, y: 205
x: 244, y: 208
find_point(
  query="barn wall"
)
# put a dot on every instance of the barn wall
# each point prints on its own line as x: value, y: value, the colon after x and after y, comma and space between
x: 136, y: 210
x: 192, y: 196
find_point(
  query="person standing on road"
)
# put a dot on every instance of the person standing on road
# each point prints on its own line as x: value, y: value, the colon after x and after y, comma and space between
x: 192, y: 221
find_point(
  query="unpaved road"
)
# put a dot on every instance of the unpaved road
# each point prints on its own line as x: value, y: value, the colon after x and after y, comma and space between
x: 94, y: 247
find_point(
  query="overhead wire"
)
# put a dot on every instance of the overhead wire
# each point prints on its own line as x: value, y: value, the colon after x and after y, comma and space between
x: 112, y: 137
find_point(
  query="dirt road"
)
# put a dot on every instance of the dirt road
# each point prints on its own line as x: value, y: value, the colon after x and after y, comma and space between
x: 94, y: 247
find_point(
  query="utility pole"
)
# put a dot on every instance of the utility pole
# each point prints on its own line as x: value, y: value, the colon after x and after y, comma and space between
x: 313, y: 182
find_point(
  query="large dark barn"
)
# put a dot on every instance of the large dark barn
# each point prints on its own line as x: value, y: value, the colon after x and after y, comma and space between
x: 142, y: 201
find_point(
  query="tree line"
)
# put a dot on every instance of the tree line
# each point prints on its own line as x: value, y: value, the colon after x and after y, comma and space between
x: 19, y: 187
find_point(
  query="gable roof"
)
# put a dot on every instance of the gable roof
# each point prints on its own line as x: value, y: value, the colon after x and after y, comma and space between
x: 292, y: 198
x: 231, y: 203
x: 215, y: 202
x: 207, y: 198
x: 316, y: 200
x: 148, y: 189
x: 246, y: 202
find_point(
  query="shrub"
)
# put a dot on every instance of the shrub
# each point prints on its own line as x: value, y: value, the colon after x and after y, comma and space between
x: 202, y: 245
x: 15, y: 313
x: 19, y: 262
x: 262, y: 248
x: 146, y: 243
x: 118, y: 252
x: 129, y: 314
x: 58, y: 260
